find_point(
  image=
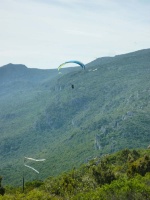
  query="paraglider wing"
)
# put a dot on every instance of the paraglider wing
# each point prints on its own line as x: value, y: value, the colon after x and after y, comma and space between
x: 72, y: 61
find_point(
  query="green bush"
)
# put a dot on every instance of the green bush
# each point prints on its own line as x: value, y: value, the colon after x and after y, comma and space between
x: 140, y: 166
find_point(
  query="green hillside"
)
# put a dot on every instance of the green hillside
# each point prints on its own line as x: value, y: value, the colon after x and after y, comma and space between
x: 121, y: 176
x: 108, y: 110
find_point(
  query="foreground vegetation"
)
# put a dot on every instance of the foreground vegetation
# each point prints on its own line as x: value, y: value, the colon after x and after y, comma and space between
x: 121, y: 176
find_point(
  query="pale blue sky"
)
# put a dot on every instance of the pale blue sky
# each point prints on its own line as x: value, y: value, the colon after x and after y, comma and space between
x: 45, y: 33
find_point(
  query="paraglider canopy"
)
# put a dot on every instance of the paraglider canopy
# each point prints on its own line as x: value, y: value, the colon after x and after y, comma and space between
x: 72, y: 61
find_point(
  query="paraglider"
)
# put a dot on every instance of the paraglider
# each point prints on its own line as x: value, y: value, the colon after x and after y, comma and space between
x: 72, y: 61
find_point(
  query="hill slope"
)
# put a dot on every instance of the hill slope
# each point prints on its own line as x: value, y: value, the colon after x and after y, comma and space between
x: 107, y: 110
x: 123, y: 175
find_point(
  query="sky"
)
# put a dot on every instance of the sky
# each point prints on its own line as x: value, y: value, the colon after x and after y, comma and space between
x: 45, y: 33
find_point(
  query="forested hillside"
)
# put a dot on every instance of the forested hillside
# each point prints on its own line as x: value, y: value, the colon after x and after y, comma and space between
x: 121, y: 176
x: 107, y: 110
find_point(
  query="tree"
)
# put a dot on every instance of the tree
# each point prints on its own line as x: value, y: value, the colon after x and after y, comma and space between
x: 2, y: 190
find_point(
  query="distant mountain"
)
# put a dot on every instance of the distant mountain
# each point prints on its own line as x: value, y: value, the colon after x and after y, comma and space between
x: 107, y: 110
x: 18, y: 72
x: 17, y: 77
